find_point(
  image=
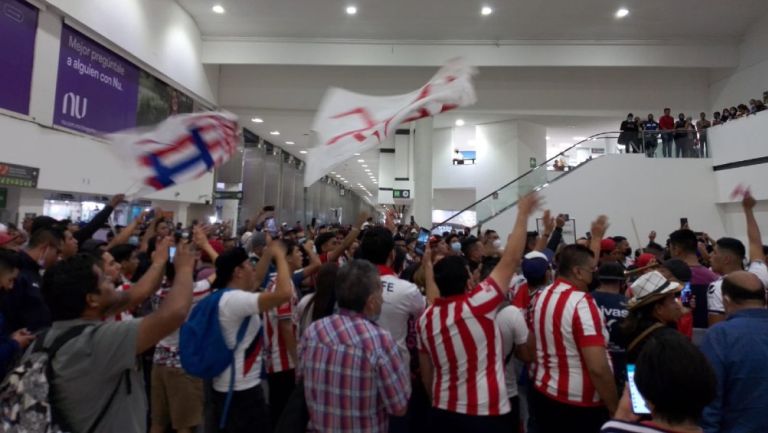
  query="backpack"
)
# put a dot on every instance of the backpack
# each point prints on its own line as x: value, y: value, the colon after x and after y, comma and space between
x: 202, y: 349
x: 27, y: 392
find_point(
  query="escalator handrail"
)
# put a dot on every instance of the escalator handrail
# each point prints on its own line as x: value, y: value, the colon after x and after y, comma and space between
x: 543, y: 164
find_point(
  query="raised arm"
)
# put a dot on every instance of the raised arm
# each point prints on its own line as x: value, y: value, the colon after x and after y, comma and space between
x: 283, y: 285
x: 174, y: 309
x: 314, y: 259
x: 513, y: 252
x: 549, y: 227
x: 200, y: 238
x: 599, y: 227
x: 147, y: 284
x: 263, y: 266
x: 125, y: 234
x: 98, y: 220
x: 349, y: 240
x: 557, y: 234
x: 753, y: 230
x: 432, y: 291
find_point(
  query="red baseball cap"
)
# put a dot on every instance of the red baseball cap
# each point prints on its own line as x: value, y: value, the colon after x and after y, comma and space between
x: 607, y: 245
x: 644, y: 260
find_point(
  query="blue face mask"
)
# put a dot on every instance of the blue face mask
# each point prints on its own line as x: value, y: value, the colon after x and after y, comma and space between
x: 456, y: 246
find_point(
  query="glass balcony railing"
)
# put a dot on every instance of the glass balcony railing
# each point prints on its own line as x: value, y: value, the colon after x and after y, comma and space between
x: 654, y: 144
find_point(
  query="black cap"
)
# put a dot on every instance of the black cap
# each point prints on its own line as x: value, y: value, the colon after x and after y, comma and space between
x: 226, y: 264
x: 611, y: 271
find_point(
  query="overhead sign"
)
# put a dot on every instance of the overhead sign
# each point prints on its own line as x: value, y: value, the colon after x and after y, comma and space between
x: 228, y: 195
x: 18, y: 26
x: 18, y: 175
x: 401, y: 193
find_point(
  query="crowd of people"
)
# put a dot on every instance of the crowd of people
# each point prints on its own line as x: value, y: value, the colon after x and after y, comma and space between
x: 688, y: 136
x: 365, y: 329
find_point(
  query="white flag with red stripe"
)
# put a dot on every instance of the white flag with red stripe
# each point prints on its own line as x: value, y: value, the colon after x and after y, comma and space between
x: 179, y: 149
x: 347, y: 123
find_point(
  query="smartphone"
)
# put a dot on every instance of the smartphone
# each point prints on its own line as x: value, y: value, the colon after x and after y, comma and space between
x: 171, y: 253
x: 685, y: 295
x: 421, y: 241
x: 638, y: 402
x: 150, y: 215
x: 683, y: 222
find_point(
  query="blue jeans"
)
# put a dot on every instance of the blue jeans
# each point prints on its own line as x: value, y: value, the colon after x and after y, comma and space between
x: 666, y: 144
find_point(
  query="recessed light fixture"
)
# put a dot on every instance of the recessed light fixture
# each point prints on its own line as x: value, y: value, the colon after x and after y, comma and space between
x: 357, y: 154
x: 486, y: 10
x: 365, y: 165
x: 351, y: 10
x: 459, y: 122
x: 333, y: 172
x: 621, y: 13
x: 547, y: 137
x: 219, y: 9
x: 346, y: 181
x: 274, y: 133
x: 367, y: 170
x: 361, y: 160
x: 290, y: 142
x: 338, y: 175
x: 303, y: 152
x: 257, y: 120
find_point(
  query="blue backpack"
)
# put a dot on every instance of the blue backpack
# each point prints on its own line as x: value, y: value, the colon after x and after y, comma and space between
x: 202, y: 349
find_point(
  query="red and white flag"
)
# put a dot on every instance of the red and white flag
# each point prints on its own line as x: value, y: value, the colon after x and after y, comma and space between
x: 347, y: 123
x: 179, y: 149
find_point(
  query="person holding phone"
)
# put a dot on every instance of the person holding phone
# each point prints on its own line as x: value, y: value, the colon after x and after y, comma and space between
x: 673, y: 379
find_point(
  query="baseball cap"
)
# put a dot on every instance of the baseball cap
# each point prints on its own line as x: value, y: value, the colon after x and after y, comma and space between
x: 226, y: 264
x: 535, y: 265
x: 607, y: 245
x: 645, y: 260
x: 611, y: 271
x: 245, y: 238
x: 651, y: 287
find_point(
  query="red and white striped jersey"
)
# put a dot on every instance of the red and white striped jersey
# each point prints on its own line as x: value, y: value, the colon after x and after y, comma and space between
x: 276, y: 350
x: 564, y: 320
x: 122, y: 316
x: 463, y: 342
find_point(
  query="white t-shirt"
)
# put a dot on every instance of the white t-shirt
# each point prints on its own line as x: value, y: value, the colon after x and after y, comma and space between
x: 715, y: 303
x: 301, y: 317
x: 514, y: 332
x: 402, y: 300
x: 234, y: 307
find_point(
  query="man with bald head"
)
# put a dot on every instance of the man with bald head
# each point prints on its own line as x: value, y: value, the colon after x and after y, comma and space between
x: 737, y: 349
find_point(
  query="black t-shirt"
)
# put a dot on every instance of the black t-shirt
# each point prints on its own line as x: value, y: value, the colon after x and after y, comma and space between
x: 628, y: 126
x: 680, y: 125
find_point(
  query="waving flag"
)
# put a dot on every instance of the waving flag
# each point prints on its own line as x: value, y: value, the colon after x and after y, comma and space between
x: 179, y: 149
x: 349, y: 123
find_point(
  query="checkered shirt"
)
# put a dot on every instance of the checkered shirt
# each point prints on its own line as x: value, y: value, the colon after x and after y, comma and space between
x: 353, y: 375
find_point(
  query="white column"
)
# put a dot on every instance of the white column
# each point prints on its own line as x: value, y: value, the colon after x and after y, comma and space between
x: 229, y: 208
x: 422, y: 182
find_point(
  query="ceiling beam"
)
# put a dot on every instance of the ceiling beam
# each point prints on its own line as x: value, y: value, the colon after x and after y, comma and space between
x: 502, y: 53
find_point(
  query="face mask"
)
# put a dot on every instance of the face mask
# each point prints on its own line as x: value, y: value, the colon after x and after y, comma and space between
x: 133, y: 240
x: 627, y: 252
x: 456, y: 247
x: 497, y: 244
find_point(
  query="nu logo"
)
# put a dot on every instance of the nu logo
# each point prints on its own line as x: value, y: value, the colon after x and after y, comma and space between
x: 72, y: 102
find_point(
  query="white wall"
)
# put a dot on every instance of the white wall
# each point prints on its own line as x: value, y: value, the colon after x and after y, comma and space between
x: 77, y: 163
x: 656, y: 193
x: 159, y: 33
x: 503, y: 153
x: 749, y: 80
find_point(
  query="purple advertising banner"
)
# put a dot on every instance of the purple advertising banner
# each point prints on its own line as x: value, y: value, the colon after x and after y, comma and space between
x: 96, y: 90
x: 18, y: 24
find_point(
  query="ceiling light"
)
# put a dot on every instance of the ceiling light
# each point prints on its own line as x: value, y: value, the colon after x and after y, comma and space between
x: 351, y: 10
x: 486, y: 10
x: 459, y: 122
x: 257, y: 120
x: 346, y: 181
x: 303, y: 152
x: 357, y: 154
x: 338, y: 175
x: 289, y: 142
x: 219, y: 9
x: 333, y: 172
x: 547, y: 137
x: 274, y: 133
x: 621, y: 13
x: 367, y: 170
x: 360, y: 160
x: 365, y: 165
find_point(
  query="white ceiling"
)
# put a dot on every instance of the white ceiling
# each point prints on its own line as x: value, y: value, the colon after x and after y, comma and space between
x: 461, y: 20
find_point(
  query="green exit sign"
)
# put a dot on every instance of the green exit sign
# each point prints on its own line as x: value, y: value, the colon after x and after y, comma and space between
x: 401, y: 193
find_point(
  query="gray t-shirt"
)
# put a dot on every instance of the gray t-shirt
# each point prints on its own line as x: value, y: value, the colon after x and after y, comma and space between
x: 87, y: 370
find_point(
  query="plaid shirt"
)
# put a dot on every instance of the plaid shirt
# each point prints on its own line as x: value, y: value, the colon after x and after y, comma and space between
x: 353, y: 375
